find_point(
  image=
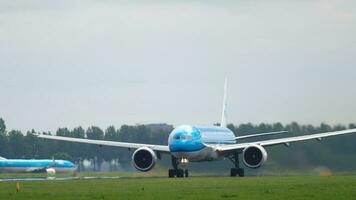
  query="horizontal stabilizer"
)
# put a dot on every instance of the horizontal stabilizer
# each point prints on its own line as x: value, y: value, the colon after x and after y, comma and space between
x: 260, y: 134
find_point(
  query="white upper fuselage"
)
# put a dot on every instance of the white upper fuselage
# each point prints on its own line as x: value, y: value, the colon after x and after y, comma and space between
x: 188, y: 142
x: 32, y: 165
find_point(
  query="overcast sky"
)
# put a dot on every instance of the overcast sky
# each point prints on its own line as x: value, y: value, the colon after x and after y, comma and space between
x: 69, y: 63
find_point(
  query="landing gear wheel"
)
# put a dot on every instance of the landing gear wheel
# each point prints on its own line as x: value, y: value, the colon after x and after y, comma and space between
x: 237, y: 170
x: 180, y: 173
x: 171, y: 173
x: 241, y: 172
x: 175, y: 172
x: 233, y: 172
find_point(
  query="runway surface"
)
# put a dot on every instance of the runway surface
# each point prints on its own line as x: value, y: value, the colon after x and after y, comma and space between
x: 59, y: 178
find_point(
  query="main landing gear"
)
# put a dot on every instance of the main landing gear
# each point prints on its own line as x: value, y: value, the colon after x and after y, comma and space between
x: 237, y: 170
x: 175, y: 172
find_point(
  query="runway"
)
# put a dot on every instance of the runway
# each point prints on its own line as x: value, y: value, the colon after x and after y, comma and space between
x: 58, y: 178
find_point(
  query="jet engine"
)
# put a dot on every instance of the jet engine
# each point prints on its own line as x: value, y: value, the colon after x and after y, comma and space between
x: 254, y: 156
x: 144, y: 159
x: 51, y: 171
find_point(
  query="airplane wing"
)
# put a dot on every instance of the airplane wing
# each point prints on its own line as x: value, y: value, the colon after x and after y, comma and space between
x: 159, y: 148
x: 259, y: 134
x: 286, y: 141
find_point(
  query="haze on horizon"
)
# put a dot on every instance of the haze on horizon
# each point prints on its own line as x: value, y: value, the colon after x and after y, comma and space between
x: 81, y: 63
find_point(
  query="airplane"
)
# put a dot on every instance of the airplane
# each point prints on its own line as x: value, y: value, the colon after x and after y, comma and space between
x: 50, y: 167
x: 192, y: 143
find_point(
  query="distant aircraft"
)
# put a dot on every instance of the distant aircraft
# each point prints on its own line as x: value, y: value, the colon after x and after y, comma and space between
x: 190, y: 143
x: 36, y: 166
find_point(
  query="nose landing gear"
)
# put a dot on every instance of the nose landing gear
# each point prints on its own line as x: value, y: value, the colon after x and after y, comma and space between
x: 179, y: 173
x: 175, y: 172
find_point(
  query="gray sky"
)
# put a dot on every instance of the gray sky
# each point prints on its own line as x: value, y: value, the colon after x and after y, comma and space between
x: 70, y: 62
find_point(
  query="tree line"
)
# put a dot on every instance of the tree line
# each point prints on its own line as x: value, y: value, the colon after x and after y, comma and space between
x: 337, y: 152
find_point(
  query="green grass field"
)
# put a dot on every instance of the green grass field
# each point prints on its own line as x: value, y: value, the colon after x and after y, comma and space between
x: 294, y: 187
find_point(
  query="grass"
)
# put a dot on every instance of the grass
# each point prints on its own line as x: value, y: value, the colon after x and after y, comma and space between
x: 293, y: 187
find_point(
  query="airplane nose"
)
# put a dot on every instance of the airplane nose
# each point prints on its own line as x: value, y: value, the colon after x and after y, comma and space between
x: 178, y: 146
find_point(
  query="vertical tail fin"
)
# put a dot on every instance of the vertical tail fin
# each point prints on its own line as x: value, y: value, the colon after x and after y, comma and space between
x: 2, y: 158
x: 223, y: 115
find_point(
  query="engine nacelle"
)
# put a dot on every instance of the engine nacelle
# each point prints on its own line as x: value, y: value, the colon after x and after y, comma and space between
x: 51, y: 171
x: 254, y: 156
x: 144, y: 159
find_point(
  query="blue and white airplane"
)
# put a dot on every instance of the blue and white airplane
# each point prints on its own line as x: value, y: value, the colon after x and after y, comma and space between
x: 36, y: 166
x: 190, y: 143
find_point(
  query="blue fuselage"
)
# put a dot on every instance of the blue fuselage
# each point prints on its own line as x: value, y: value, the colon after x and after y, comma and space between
x: 189, y: 141
x: 23, y: 165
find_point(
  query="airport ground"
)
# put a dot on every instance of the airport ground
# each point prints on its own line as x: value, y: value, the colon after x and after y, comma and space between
x: 198, y: 187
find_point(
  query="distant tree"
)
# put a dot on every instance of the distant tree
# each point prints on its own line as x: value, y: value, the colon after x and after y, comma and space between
x: 325, y: 128
x: 2, y: 127
x: 111, y: 134
x: 308, y: 129
x: 142, y: 134
x: 352, y: 125
x: 124, y: 133
x: 4, y: 146
x: 62, y: 156
x: 95, y: 133
x: 294, y: 128
x: 245, y: 129
x: 264, y: 128
x: 33, y: 145
x: 78, y: 132
x: 17, y: 144
x: 339, y: 127
x: 278, y: 127
x: 63, y: 132
x: 160, y: 137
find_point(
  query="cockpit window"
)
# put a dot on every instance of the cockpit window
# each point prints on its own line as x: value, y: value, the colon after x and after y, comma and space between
x: 182, y: 137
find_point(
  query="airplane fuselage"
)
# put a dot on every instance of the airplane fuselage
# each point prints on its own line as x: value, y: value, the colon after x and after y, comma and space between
x: 188, y: 142
x: 24, y: 166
